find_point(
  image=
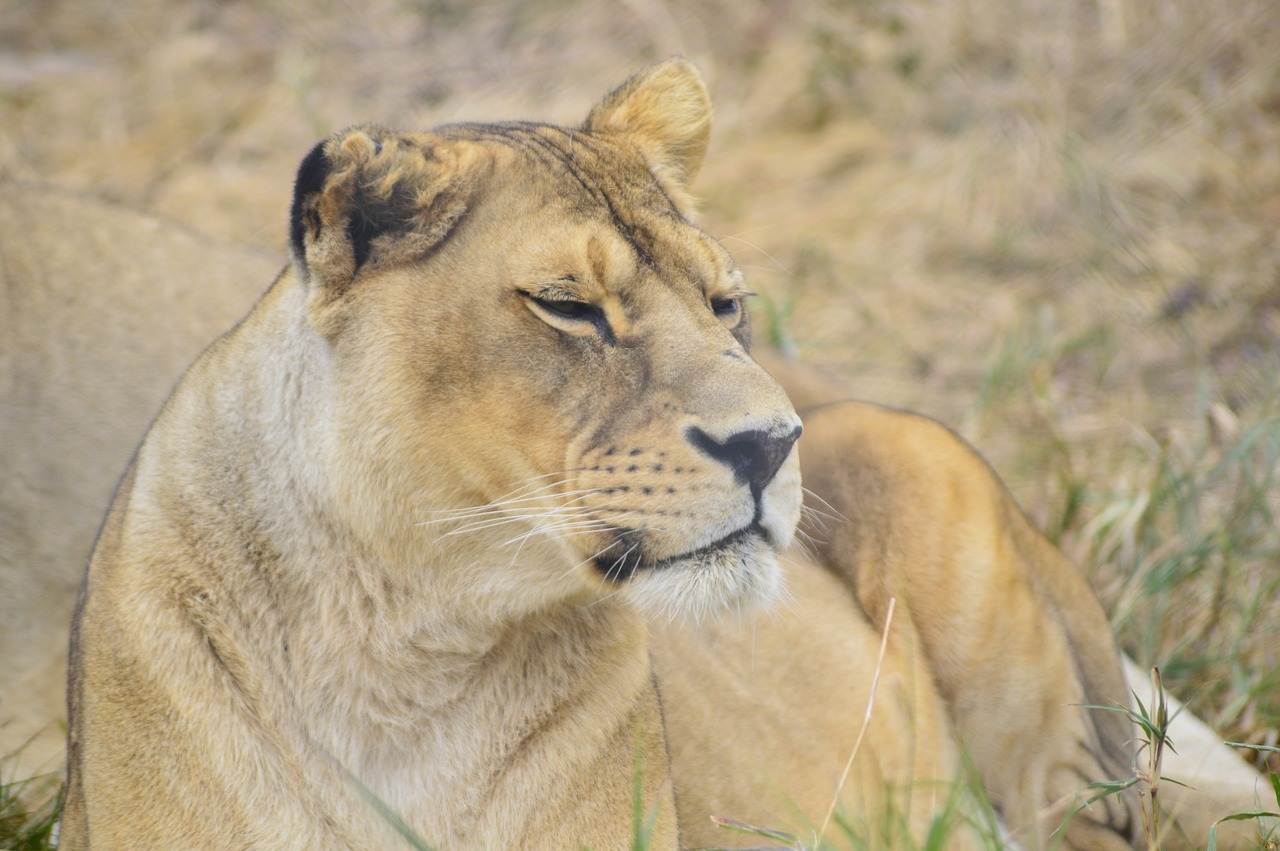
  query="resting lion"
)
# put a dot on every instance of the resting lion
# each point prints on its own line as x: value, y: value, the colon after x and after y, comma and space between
x: 101, y: 308
x: 478, y: 514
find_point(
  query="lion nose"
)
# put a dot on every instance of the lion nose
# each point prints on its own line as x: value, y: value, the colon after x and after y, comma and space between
x: 754, y: 455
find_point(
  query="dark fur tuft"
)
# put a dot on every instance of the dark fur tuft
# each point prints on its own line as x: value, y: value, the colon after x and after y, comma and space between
x: 374, y: 215
x: 310, y: 180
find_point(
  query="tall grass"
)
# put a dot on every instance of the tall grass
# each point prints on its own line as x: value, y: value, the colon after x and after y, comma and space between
x: 1175, y: 522
x: 1187, y: 559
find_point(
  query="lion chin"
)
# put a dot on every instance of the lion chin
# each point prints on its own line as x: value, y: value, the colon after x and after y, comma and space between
x: 736, y: 573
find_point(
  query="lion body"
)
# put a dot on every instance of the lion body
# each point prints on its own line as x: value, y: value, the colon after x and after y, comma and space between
x: 474, y: 533
x: 84, y: 366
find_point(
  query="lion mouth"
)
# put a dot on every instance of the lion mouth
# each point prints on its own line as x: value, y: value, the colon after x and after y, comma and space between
x: 633, y: 560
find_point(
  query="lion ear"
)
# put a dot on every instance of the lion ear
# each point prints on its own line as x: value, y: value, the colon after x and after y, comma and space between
x: 666, y: 110
x: 366, y: 198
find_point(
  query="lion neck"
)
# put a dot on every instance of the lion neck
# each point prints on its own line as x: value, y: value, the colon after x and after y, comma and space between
x: 383, y: 653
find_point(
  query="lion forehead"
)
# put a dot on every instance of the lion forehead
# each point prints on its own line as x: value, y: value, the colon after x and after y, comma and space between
x: 578, y: 176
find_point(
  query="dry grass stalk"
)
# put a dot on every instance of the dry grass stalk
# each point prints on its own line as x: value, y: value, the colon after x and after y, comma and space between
x: 866, y: 722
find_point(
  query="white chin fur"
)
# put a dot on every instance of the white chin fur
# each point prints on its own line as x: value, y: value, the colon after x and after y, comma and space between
x: 743, y: 575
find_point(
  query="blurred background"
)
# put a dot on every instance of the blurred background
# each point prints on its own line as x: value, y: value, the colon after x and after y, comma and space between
x: 1051, y: 224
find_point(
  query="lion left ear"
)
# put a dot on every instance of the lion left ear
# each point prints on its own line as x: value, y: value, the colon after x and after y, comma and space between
x: 665, y: 109
x: 366, y: 198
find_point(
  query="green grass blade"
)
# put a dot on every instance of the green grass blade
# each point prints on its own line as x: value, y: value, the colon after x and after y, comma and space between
x: 390, y: 816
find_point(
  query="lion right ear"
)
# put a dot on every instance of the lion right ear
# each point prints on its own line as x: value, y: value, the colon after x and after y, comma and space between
x: 666, y: 111
x: 366, y: 198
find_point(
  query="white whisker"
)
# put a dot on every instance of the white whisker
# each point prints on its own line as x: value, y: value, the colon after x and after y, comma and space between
x: 623, y: 557
x: 835, y: 512
x: 807, y: 544
x: 491, y: 523
x: 573, y: 527
x: 736, y: 238
x: 592, y: 557
x: 456, y: 514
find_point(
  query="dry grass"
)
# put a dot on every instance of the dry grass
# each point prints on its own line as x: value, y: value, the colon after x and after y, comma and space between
x: 1050, y: 224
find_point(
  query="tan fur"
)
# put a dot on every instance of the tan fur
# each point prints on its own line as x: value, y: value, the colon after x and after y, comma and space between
x: 101, y: 308
x: 456, y: 514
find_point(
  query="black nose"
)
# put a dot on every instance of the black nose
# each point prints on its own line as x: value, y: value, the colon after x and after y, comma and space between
x: 753, y: 456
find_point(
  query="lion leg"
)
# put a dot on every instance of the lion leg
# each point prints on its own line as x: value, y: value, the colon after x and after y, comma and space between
x: 1014, y: 638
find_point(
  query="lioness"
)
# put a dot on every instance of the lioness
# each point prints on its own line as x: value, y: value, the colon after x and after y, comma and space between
x: 480, y: 507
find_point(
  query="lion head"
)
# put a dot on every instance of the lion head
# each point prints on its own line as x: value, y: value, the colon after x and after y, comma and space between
x: 537, y: 350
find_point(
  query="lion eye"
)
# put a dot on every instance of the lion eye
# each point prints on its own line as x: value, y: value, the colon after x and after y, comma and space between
x: 570, y: 315
x: 727, y: 308
x: 567, y: 308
